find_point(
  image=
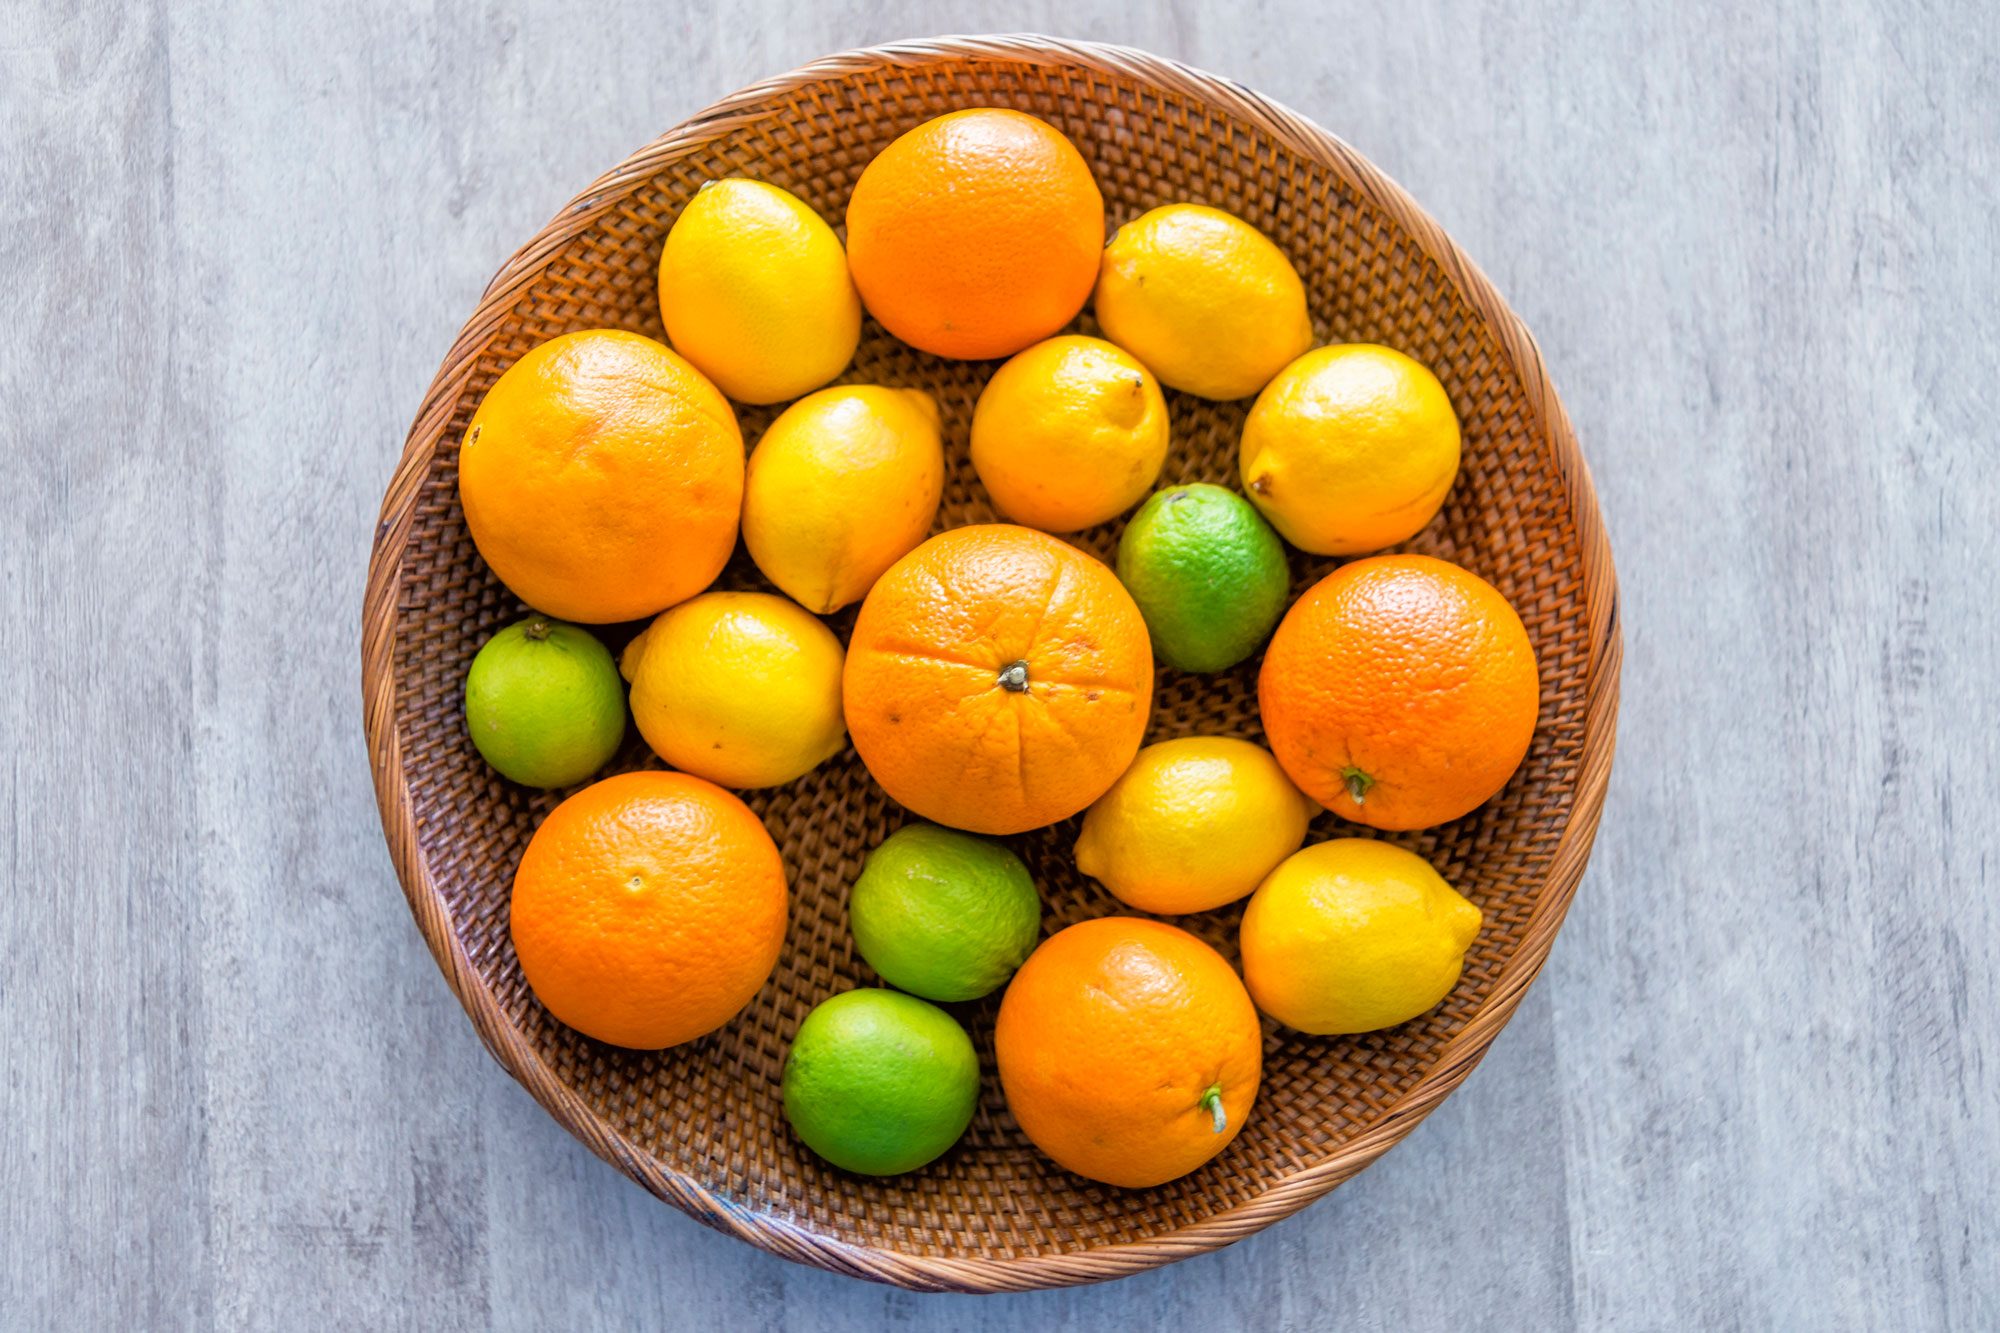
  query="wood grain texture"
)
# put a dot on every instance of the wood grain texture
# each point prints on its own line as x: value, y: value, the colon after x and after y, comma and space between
x: 1759, y: 1082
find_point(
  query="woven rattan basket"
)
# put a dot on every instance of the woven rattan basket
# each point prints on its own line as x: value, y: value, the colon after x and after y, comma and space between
x: 700, y: 1126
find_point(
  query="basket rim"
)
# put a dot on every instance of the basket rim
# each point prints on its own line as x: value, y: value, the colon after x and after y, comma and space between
x: 779, y: 1234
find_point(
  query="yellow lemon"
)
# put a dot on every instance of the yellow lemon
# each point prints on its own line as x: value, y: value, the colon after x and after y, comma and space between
x: 755, y: 292
x: 1193, y: 824
x: 1350, y: 449
x: 1354, y: 935
x: 1204, y: 299
x: 1069, y: 433
x: 843, y: 485
x: 741, y: 688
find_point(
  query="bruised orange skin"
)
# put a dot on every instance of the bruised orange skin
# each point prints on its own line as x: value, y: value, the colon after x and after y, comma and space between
x: 649, y: 909
x: 602, y: 477
x: 1118, y: 1042
x: 1400, y: 691
x: 997, y: 679
x: 976, y: 233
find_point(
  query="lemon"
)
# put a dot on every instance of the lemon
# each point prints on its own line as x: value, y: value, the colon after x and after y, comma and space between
x: 1069, y: 433
x: 1354, y: 935
x: 1204, y: 299
x: 845, y: 483
x: 1350, y: 449
x: 1192, y: 824
x: 755, y: 292
x: 741, y: 688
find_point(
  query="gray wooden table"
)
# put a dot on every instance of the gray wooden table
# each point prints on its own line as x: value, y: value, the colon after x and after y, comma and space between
x: 1759, y: 1082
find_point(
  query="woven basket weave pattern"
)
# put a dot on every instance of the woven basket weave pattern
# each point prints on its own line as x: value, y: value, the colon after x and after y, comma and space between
x: 701, y: 1125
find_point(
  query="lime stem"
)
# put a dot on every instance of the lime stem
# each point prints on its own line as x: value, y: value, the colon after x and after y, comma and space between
x: 1211, y: 1101
x: 1357, y: 782
x: 536, y: 630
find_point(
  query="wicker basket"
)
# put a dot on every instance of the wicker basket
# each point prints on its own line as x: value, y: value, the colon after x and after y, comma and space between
x: 700, y: 1126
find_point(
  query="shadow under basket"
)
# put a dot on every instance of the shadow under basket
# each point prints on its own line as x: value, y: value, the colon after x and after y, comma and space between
x: 701, y: 1125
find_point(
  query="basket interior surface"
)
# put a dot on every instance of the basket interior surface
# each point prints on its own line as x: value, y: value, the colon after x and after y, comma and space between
x: 709, y: 1113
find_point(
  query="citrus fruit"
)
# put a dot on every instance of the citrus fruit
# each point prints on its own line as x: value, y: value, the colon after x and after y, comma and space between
x: 976, y: 233
x: 880, y: 1083
x: 741, y: 688
x: 601, y: 477
x: 1350, y: 449
x: 1204, y: 299
x: 844, y: 483
x: 1208, y: 574
x: 754, y: 290
x: 997, y: 679
x: 544, y: 704
x: 1354, y: 935
x: 1400, y: 691
x: 648, y: 909
x: 1128, y: 1050
x: 943, y: 914
x: 1193, y: 824
x: 1069, y: 433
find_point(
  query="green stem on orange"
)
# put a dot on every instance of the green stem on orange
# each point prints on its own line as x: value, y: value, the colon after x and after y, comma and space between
x: 1357, y: 782
x: 1014, y: 677
x: 1211, y: 1102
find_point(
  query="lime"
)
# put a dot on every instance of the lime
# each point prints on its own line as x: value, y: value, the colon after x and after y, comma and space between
x: 943, y: 914
x: 1208, y: 574
x: 879, y: 1082
x: 544, y: 703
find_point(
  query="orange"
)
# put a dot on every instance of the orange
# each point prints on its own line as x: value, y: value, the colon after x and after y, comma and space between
x: 648, y: 909
x: 997, y: 679
x: 1129, y: 1051
x: 1400, y: 691
x: 602, y: 476
x: 976, y: 233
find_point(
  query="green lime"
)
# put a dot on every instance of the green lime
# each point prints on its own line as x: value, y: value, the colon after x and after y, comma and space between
x: 880, y: 1083
x: 544, y: 703
x: 1208, y: 574
x: 943, y: 914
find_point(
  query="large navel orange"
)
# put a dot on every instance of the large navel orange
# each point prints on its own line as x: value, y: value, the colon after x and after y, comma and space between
x: 649, y: 909
x: 602, y: 476
x: 976, y: 234
x: 1400, y: 691
x: 997, y: 679
x: 1129, y: 1051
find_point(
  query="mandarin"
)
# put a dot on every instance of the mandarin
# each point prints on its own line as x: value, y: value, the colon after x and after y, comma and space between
x: 997, y: 679
x: 1129, y: 1051
x: 649, y: 909
x: 602, y: 476
x: 976, y: 233
x: 1069, y: 434
x: 1400, y: 691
